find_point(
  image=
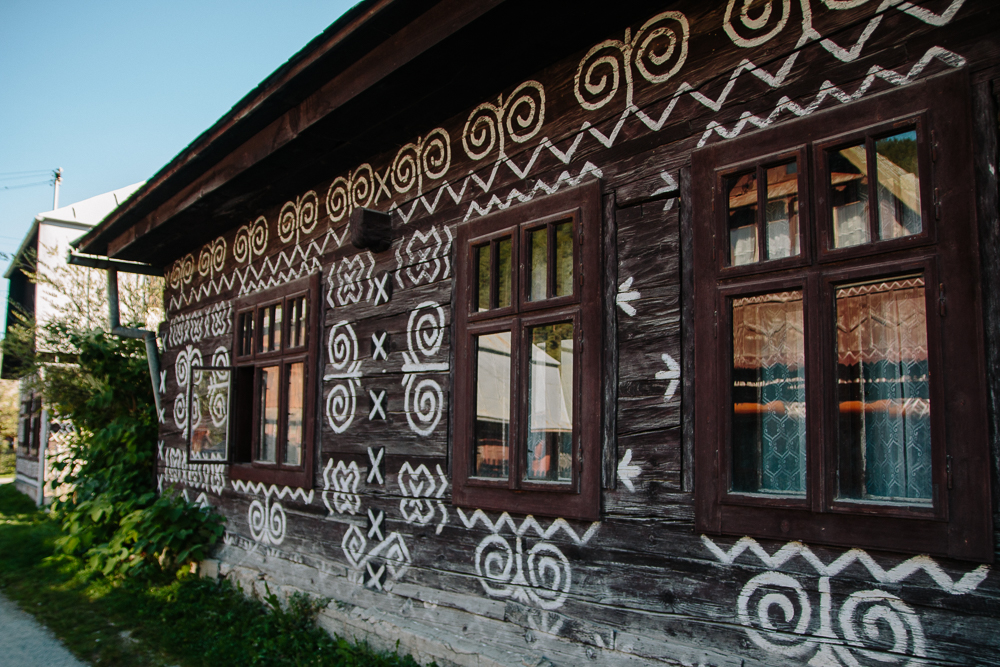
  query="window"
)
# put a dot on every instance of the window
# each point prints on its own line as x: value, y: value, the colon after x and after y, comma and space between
x: 273, y: 385
x: 838, y: 331
x: 30, y: 425
x: 528, y: 358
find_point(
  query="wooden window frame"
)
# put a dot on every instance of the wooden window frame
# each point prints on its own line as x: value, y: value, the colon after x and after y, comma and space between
x: 958, y: 521
x: 580, y: 498
x: 246, y: 378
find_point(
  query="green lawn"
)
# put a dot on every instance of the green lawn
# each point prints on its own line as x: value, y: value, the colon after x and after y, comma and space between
x: 190, y: 622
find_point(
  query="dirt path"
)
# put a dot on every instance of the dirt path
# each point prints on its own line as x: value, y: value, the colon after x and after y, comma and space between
x: 26, y: 643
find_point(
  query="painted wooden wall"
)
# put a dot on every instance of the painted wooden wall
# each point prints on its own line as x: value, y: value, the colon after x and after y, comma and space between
x: 378, y: 532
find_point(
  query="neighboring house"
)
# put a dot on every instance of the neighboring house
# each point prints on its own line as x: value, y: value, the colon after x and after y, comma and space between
x: 626, y: 333
x: 43, y: 252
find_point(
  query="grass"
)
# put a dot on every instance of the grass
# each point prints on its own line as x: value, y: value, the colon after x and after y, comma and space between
x: 188, y: 622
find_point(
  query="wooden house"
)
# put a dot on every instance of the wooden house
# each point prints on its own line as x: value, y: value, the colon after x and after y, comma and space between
x: 36, y: 275
x: 566, y: 333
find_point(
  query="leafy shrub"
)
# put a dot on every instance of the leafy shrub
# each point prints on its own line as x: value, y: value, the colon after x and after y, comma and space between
x: 114, y: 519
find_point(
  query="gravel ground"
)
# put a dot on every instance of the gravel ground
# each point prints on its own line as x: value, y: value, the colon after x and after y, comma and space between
x: 26, y: 643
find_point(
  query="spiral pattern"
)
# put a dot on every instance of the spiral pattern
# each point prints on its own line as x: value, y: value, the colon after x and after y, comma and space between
x: 342, y: 345
x: 658, y: 51
x: 180, y: 411
x: 251, y: 240
x: 520, y: 118
x: 480, y: 134
x: 341, y: 404
x: 425, y: 329
x: 761, y: 28
x: 657, y: 42
x: 267, y: 522
x: 550, y: 575
x: 776, y: 591
x: 338, y: 199
x: 362, y: 186
x: 182, y: 271
x: 598, y: 76
x: 874, y: 622
x: 218, y: 408
x: 435, y: 156
x: 212, y: 257
x: 406, y: 168
x: 298, y: 217
x: 186, y: 358
x: 494, y: 565
x: 427, y: 403
x: 257, y: 518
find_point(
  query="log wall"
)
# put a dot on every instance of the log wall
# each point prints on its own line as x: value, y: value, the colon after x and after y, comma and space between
x: 377, y: 532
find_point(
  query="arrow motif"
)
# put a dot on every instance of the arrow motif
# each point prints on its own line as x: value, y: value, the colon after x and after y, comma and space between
x: 626, y: 294
x: 627, y: 470
x: 673, y: 373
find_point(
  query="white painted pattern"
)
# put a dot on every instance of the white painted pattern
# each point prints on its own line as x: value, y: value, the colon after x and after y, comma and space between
x: 625, y: 295
x: 176, y: 470
x: 422, y: 492
x: 673, y: 373
x: 427, y: 257
x: 538, y: 575
x: 378, y: 404
x: 519, y: 118
x: 217, y: 393
x: 285, y: 266
x: 423, y: 401
x: 627, y: 471
x: 375, y: 457
x: 212, y: 258
x: 340, y: 484
x: 657, y: 51
x: 298, y: 217
x: 864, y: 617
x: 279, y: 492
x: 351, y: 280
x: 251, y: 241
x: 213, y: 321
x: 564, y: 178
x: 186, y: 358
x: 379, y: 567
x: 267, y: 521
x: 344, y: 370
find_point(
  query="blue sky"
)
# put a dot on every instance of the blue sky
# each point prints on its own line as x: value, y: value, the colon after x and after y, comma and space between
x: 112, y: 90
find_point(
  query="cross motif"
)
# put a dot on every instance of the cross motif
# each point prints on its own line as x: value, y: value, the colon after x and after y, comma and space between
x: 380, y: 341
x: 377, y: 411
x: 383, y: 288
x: 376, y: 578
x: 377, y: 468
x: 375, y: 520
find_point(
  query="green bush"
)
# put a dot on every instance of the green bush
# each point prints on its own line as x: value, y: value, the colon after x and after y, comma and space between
x: 114, y: 519
x: 8, y: 463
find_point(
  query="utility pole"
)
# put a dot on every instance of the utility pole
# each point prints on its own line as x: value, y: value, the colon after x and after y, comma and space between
x: 56, y: 180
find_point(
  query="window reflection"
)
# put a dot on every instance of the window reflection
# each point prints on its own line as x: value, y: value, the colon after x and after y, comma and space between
x: 492, y: 428
x: 849, y: 196
x: 564, y: 259
x: 483, y: 278
x: 898, y: 186
x: 742, y: 192
x: 782, y: 211
x: 538, y: 255
x: 884, y: 394
x: 295, y: 414
x: 550, y: 400
x: 768, y: 395
x: 267, y: 442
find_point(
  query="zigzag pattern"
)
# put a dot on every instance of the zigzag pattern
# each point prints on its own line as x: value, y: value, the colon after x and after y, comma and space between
x: 540, y: 185
x: 828, y: 89
x: 529, y: 523
x: 260, y: 489
x: 969, y: 581
x: 284, y: 267
x: 745, y: 66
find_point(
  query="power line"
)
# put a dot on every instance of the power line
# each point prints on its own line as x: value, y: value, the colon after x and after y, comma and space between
x: 32, y: 171
x: 25, y: 185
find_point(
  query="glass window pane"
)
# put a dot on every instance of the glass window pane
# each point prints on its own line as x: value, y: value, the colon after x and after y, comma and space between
x: 264, y: 329
x: 538, y: 260
x: 550, y: 400
x: 492, y: 432
x: 246, y: 334
x: 276, y: 331
x: 782, y: 211
x: 504, y: 275
x: 742, y: 192
x: 769, y: 395
x: 884, y: 395
x: 564, y: 259
x: 482, y: 278
x: 898, y: 186
x: 209, y: 416
x: 267, y: 439
x: 295, y: 415
x: 849, y: 196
